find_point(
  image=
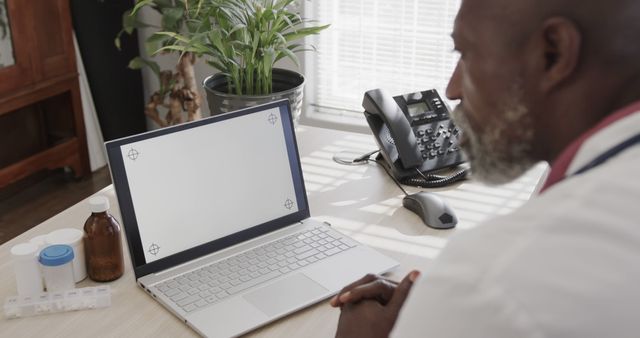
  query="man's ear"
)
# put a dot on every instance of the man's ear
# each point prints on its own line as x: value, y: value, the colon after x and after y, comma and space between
x: 561, y: 43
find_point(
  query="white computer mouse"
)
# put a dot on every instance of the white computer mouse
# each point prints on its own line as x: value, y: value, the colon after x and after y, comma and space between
x: 433, y: 211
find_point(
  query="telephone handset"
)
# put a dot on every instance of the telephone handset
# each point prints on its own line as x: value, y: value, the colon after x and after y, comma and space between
x: 415, y: 134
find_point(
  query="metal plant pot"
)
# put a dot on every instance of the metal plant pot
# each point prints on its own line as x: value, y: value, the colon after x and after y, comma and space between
x: 287, y: 84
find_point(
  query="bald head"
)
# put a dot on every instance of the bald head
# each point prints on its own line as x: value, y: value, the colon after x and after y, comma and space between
x: 609, y: 28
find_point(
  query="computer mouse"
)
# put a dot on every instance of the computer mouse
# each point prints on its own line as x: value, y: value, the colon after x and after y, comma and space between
x: 433, y: 211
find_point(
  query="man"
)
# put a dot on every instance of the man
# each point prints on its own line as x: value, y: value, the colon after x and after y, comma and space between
x: 537, y: 80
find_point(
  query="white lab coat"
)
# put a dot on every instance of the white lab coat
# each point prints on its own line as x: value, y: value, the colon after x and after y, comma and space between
x: 566, y: 264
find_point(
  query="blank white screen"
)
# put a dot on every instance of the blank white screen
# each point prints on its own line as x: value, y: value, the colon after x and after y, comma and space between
x: 197, y: 185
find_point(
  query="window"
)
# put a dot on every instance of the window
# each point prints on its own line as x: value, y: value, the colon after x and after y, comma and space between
x: 399, y: 45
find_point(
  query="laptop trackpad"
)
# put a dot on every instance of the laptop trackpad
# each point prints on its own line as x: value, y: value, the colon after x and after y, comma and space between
x: 286, y: 294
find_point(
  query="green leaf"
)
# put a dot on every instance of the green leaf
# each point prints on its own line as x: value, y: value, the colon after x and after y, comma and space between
x: 171, y: 18
x: 164, y: 3
x: 283, y: 3
x: 280, y: 39
x: 216, y: 41
x: 291, y: 55
x: 295, y: 19
x: 174, y: 36
x: 117, y: 41
x: 140, y: 4
x: 237, y: 27
x: 184, y: 49
x: 199, y: 7
x: 301, y: 33
x: 217, y: 65
x: 289, y: 22
x: 130, y: 23
x: 269, y: 55
x: 139, y: 63
x: 155, y: 42
x: 256, y: 41
x: 198, y: 25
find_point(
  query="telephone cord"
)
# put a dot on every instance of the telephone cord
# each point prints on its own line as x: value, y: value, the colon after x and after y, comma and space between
x: 424, y: 181
x: 367, y: 157
x: 436, y: 181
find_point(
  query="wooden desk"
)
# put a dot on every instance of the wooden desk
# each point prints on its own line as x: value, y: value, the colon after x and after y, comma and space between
x: 358, y: 200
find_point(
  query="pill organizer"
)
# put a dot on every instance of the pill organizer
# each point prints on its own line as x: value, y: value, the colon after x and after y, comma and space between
x: 52, y: 302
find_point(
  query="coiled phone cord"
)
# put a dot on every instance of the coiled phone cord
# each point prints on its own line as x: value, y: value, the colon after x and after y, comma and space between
x: 436, y: 181
x: 422, y: 180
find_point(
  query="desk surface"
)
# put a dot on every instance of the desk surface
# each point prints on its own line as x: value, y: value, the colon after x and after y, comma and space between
x: 360, y: 201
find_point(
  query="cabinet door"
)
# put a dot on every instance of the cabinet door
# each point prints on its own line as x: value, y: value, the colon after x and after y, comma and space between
x: 14, y: 39
x: 53, y: 42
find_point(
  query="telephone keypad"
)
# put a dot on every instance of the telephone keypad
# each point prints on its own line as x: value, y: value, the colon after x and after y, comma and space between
x: 435, y: 133
x: 437, y: 139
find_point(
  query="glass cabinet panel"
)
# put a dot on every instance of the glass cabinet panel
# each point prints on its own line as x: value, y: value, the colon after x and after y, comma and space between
x: 6, y: 46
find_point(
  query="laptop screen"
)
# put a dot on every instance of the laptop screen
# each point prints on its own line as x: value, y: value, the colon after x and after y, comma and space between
x: 198, y: 183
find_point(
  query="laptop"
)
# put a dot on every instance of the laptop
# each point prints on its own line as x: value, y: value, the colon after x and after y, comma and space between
x: 218, y: 223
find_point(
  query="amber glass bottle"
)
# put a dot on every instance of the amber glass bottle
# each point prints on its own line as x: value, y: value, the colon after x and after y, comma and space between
x: 102, y: 243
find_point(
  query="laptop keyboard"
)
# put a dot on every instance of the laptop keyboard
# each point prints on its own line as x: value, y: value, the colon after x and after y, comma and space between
x: 212, y: 283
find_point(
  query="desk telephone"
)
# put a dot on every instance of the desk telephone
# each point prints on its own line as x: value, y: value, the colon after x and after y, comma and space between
x: 416, y: 136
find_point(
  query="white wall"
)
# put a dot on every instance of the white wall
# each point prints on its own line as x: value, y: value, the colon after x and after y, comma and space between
x: 95, y: 141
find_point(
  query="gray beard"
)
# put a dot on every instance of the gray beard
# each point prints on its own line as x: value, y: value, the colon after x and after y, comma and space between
x: 497, y: 156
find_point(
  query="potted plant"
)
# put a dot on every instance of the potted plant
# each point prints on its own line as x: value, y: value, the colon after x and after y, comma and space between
x: 243, y: 39
x: 178, y: 96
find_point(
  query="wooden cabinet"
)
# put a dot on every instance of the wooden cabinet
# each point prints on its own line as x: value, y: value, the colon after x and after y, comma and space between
x: 41, y: 122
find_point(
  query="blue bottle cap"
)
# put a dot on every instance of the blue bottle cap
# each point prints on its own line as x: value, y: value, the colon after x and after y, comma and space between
x: 55, y: 255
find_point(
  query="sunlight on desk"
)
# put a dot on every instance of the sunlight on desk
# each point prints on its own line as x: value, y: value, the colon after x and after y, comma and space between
x: 363, y: 202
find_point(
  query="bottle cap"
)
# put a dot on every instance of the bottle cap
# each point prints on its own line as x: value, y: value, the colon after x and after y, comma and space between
x: 99, y: 204
x: 40, y: 241
x: 55, y: 255
x: 24, y: 250
x: 68, y: 236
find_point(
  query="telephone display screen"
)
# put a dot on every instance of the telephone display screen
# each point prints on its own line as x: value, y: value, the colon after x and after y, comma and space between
x: 417, y: 109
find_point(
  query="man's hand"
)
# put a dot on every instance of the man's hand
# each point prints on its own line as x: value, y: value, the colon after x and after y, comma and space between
x: 370, y: 306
